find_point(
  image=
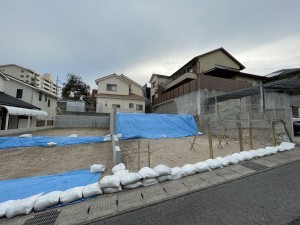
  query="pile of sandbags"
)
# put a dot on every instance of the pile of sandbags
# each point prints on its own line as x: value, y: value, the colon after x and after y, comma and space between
x: 148, y: 176
x: 163, y: 173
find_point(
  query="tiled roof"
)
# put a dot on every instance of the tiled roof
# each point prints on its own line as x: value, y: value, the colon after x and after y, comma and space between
x: 11, y: 101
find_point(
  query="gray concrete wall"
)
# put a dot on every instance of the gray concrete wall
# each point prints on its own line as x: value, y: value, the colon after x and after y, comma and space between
x: 69, y: 121
x: 117, y: 157
x: 23, y: 130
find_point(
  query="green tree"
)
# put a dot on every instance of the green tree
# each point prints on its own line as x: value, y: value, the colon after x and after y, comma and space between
x: 160, y: 89
x: 75, y: 88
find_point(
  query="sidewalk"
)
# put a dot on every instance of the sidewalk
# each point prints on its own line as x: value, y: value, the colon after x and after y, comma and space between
x: 108, y: 205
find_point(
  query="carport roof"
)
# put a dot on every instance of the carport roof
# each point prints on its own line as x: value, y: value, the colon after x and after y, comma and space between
x: 280, y: 85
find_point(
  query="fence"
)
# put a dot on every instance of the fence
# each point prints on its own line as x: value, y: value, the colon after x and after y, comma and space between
x: 69, y: 121
x: 202, y: 82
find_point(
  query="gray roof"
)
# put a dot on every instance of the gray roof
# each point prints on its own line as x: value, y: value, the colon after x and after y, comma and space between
x: 282, y: 72
x: 11, y: 101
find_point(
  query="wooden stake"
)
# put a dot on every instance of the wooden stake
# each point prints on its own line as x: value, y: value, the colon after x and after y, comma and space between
x: 192, y: 146
x: 250, y: 136
x: 149, y: 155
x: 211, y: 153
x: 139, y: 155
x: 273, y: 134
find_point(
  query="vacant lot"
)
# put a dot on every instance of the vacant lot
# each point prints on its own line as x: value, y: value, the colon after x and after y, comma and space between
x: 32, y: 161
x: 176, y: 151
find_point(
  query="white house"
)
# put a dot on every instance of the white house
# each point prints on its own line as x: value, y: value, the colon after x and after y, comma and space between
x: 23, y: 91
x: 120, y: 91
x: 15, y: 113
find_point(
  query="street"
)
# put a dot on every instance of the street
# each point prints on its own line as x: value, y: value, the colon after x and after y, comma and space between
x: 271, y: 197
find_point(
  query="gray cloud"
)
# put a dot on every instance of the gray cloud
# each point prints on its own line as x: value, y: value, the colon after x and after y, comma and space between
x: 96, y: 38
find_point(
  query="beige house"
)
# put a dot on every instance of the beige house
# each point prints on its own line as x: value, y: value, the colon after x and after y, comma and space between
x: 120, y: 91
x: 217, y: 63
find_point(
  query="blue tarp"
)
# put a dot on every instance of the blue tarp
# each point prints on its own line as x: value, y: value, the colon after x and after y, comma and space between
x: 15, y: 142
x: 155, y: 125
x: 26, y: 187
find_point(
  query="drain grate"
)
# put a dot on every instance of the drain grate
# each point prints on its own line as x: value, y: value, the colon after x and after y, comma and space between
x: 254, y: 166
x: 47, y: 218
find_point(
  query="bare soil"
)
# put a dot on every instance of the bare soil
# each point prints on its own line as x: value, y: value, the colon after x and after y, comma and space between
x: 33, y: 161
x: 176, y: 151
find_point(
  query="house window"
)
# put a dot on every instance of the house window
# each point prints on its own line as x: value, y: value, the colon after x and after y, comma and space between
x: 40, y: 96
x: 131, y: 105
x: 46, y: 97
x: 153, y: 84
x: 22, y: 71
x: 19, y: 93
x: 27, y: 76
x: 48, y: 102
x: 118, y: 106
x: 21, y: 76
x: 139, y: 107
x: 111, y: 87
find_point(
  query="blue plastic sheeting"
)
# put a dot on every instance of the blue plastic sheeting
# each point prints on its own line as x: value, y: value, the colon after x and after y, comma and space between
x: 26, y: 187
x: 15, y: 142
x: 155, y: 125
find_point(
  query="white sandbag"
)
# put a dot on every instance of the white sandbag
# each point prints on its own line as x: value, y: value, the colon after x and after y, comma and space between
x: 119, y: 135
x: 252, y: 154
x: 147, y: 172
x: 222, y: 161
x: 271, y: 150
x: 189, y: 169
x: 5, y: 205
x: 134, y: 185
x: 149, y: 181
x: 91, y: 190
x: 201, y: 167
x: 261, y: 152
x: 51, y: 143
x: 107, y: 138
x: 244, y: 155
x: 22, y: 206
x: 130, y: 178
x: 73, y: 136
x: 47, y: 200
x: 240, y: 157
x: 231, y: 159
x: 120, y: 166
x: 112, y: 190
x: 110, y: 181
x: 162, y: 170
x: 25, y: 135
x: 71, y: 195
x: 163, y: 178
x: 285, y: 146
x: 213, y: 164
x: 121, y: 173
x: 177, y: 173
x: 97, y: 168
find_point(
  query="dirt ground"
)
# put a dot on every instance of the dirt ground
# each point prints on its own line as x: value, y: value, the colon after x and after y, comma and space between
x: 33, y: 161
x: 176, y: 151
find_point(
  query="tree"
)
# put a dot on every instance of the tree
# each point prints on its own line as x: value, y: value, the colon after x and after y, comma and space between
x: 75, y: 88
x: 160, y: 89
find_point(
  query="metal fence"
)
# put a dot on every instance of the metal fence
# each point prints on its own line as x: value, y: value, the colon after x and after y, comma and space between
x: 202, y: 82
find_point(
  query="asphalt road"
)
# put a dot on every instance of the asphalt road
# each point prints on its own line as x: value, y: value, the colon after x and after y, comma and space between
x: 271, y: 197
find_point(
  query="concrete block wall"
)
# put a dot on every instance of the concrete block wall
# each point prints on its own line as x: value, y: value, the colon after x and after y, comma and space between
x: 69, y: 121
x: 117, y: 157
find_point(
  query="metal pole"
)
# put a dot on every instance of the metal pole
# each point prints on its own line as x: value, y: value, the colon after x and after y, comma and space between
x: 6, y: 121
x: 28, y: 124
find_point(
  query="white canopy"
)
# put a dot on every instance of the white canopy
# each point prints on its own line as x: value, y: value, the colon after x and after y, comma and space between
x: 24, y: 112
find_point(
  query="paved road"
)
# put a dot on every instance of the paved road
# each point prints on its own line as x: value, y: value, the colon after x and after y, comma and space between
x: 272, y: 197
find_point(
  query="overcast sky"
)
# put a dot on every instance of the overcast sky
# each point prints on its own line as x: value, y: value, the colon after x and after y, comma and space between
x: 95, y: 38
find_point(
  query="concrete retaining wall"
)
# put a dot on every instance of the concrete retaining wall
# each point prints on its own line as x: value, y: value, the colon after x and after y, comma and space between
x: 69, y: 121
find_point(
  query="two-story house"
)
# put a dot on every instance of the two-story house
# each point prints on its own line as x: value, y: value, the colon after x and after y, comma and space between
x: 15, y: 113
x: 156, y: 81
x: 218, y: 63
x: 121, y: 92
x: 41, y: 99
